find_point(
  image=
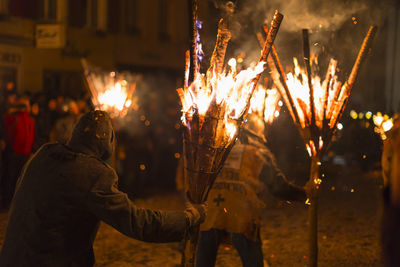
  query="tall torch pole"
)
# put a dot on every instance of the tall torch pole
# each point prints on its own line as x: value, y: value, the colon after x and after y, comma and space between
x: 315, y: 163
x: 192, y: 235
x: 317, y: 136
x: 313, y: 212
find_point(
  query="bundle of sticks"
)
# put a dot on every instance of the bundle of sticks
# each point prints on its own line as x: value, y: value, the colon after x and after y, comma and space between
x: 214, y: 107
x: 318, y: 117
x: 316, y: 108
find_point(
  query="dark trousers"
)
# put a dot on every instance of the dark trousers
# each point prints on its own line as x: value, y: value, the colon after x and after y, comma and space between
x: 250, y: 251
x: 390, y: 231
x: 11, y: 169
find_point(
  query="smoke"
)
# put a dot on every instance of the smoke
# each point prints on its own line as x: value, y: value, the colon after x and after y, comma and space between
x: 156, y: 110
x: 336, y: 27
x: 311, y: 14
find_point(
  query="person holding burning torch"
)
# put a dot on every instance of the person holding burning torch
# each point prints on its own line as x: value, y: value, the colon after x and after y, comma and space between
x: 66, y: 190
x: 390, y: 221
x: 235, y: 201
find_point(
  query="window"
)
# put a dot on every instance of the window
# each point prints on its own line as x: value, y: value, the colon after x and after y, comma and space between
x: 163, y: 34
x: 48, y: 10
x: 114, y: 15
x: 51, y: 10
x: 93, y: 13
x: 132, y: 17
x: 3, y: 7
x: 77, y: 13
x: 21, y: 8
x: 97, y: 14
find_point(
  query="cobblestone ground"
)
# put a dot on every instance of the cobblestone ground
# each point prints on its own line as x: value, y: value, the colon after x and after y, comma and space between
x: 348, y: 230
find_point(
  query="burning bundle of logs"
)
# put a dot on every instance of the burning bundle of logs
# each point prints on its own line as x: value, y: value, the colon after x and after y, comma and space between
x: 214, y: 107
x: 316, y: 109
x: 110, y: 91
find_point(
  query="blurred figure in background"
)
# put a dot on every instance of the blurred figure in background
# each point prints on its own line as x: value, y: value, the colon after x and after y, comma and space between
x: 42, y: 121
x: 82, y: 106
x: 19, y: 129
x: 391, y: 197
x: 62, y: 130
x: 52, y: 113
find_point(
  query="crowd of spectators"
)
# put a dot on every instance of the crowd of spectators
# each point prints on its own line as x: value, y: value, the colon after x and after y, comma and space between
x: 27, y: 122
x: 148, y: 138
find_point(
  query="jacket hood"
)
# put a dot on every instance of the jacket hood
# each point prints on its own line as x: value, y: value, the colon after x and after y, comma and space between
x: 94, y: 135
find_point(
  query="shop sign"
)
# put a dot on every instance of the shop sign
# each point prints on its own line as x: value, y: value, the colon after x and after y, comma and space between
x: 50, y: 36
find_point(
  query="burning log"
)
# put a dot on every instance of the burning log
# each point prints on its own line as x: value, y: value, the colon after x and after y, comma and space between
x: 306, y: 57
x: 278, y: 76
x: 213, y: 108
x: 316, y: 109
x: 193, y: 6
x: 89, y: 83
x: 218, y: 56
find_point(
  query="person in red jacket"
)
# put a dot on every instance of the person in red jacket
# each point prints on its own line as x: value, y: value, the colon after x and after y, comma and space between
x: 19, y: 129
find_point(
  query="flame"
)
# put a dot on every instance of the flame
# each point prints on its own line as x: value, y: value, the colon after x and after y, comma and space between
x: 229, y: 90
x: 298, y: 87
x: 257, y: 101
x: 265, y: 103
x: 329, y: 97
x: 113, y: 96
x: 272, y: 106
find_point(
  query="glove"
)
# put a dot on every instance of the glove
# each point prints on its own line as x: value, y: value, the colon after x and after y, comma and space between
x: 195, y: 213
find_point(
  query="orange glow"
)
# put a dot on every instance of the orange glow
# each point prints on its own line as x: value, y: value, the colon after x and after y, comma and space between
x: 113, y: 93
x: 115, y: 97
x: 265, y: 103
x: 329, y: 97
x: 229, y: 91
x: 298, y: 86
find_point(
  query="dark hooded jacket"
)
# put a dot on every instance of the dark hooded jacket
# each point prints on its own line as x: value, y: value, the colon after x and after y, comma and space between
x: 63, y: 194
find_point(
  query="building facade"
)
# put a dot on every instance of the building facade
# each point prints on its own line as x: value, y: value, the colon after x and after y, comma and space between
x: 43, y: 41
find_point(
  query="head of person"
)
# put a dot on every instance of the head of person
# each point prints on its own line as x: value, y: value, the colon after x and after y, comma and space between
x: 82, y: 106
x: 72, y: 108
x: 94, y: 134
x: 25, y: 102
x: 10, y: 86
x: 52, y: 104
x: 35, y: 109
x: 60, y: 100
x: 11, y: 98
